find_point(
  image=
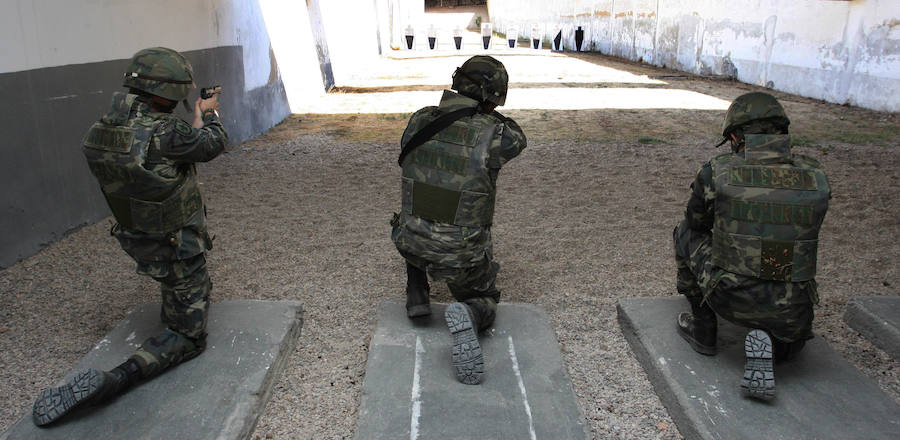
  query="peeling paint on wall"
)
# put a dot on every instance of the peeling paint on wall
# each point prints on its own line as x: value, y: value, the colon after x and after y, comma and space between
x: 843, y: 52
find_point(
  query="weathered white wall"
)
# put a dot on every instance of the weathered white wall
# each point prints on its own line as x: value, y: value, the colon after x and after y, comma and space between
x: 352, y: 31
x: 47, y: 33
x: 294, y: 45
x: 839, y: 51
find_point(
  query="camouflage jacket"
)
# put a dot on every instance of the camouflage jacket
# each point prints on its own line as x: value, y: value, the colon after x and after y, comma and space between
x: 700, y: 215
x: 159, y: 161
x: 448, y: 244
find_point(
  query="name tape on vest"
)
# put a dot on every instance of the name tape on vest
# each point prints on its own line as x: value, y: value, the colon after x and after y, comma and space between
x: 772, y: 213
x: 768, y: 177
x: 115, y: 139
x: 441, y: 161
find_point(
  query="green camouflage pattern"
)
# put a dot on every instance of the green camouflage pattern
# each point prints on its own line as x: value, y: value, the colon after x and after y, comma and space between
x: 146, y: 157
x: 769, y: 207
x: 750, y: 107
x: 165, y: 65
x: 448, y: 178
x: 482, y: 78
x: 466, y: 284
x: 783, y: 308
x: 167, y: 349
x: 460, y: 255
x: 484, y: 309
x: 155, y: 168
x: 447, y: 244
x: 185, y: 288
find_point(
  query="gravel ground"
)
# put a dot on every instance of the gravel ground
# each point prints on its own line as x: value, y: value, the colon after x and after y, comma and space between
x: 581, y: 221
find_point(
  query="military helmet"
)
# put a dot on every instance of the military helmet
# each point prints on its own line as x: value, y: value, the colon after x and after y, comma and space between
x: 483, y: 78
x: 162, y: 72
x: 751, y: 107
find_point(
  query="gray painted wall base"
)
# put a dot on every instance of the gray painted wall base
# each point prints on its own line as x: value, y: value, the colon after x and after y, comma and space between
x: 878, y: 319
x: 819, y: 394
x: 521, y: 339
x: 218, y: 395
x: 48, y: 189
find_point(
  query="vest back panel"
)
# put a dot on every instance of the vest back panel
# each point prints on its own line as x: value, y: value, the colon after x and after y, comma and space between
x: 447, y: 178
x: 768, y: 212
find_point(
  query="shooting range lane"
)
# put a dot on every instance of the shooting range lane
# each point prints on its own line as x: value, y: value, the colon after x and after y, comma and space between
x: 818, y: 394
x: 411, y: 390
x: 878, y: 319
x: 218, y: 395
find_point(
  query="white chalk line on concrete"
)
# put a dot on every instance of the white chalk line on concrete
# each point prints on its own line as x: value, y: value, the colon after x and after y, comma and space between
x: 416, y: 394
x: 515, y: 364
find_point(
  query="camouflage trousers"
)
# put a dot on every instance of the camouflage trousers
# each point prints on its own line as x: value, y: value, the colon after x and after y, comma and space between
x: 473, y: 285
x: 784, y: 310
x: 185, y: 288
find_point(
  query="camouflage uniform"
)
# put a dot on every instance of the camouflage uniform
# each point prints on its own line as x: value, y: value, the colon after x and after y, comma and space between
x: 144, y: 160
x: 449, y: 188
x: 746, y: 249
x: 782, y: 307
x: 459, y: 254
x: 153, y: 192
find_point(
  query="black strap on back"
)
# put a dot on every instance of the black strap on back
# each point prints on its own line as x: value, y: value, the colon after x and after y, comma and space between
x: 428, y: 131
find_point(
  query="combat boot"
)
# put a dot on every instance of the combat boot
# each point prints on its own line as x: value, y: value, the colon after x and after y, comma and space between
x: 759, y: 370
x: 89, y: 387
x: 466, y: 357
x: 698, y: 327
x: 417, y: 289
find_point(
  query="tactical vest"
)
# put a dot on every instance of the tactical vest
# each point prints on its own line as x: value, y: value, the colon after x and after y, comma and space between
x: 447, y: 179
x: 116, y: 149
x: 769, y: 207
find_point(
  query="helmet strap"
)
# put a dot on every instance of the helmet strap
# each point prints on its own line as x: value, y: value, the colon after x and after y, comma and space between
x: 157, y: 78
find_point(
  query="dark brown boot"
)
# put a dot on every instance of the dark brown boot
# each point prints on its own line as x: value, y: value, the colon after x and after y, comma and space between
x: 698, y: 327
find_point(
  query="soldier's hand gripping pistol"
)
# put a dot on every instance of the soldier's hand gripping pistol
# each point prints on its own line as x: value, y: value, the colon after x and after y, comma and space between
x: 206, y: 102
x: 208, y: 92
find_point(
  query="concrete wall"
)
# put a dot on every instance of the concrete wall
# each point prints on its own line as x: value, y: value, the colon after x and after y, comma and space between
x: 63, y: 60
x: 351, y: 28
x: 299, y: 43
x: 838, y: 51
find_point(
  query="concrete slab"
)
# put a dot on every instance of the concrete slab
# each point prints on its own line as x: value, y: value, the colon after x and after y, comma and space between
x: 878, y: 319
x: 410, y: 390
x: 218, y: 395
x: 820, y: 395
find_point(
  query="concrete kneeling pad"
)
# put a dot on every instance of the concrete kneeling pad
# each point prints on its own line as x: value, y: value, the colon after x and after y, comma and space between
x: 878, y: 319
x: 218, y: 395
x: 819, y: 395
x: 411, y: 391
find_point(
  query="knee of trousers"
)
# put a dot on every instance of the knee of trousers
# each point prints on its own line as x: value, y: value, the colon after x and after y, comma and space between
x: 185, y: 306
x: 486, y: 310
x: 165, y: 350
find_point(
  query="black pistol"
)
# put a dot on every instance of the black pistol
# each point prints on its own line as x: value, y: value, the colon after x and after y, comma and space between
x: 208, y: 92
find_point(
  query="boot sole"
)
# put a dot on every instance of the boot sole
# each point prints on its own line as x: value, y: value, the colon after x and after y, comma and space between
x: 468, y: 359
x: 759, y: 371
x: 54, y: 403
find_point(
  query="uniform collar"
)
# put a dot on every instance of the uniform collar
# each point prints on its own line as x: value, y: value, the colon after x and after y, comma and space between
x: 767, y: 148
x: 451, y: 100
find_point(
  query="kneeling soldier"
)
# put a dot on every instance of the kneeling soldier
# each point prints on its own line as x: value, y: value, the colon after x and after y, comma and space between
x: 143, y: 156
x: 451, y: 157
x: 746, y: 249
